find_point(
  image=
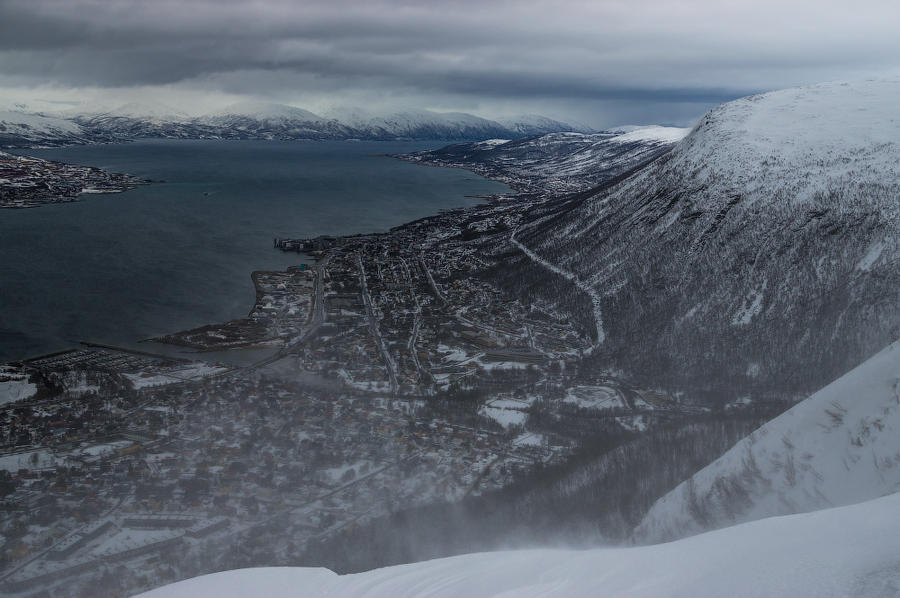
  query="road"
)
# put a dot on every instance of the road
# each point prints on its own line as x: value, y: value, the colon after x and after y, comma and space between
x: 413, y: 337
x: 434, y: 287
x: 374, y: 329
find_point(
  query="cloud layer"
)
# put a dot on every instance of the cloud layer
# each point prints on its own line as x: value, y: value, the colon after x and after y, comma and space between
x: 599, y: 61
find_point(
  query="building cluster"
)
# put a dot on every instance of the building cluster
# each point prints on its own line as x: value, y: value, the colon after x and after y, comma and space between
x: 28, y: 182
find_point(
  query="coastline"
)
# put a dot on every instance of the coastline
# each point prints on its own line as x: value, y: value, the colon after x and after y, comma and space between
x: 83, y: 157
x: 36, y: 182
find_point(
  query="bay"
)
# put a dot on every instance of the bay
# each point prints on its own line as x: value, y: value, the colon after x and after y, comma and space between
x: 170, y: 256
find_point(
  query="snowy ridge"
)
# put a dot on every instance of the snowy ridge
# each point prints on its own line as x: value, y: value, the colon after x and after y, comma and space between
x: 530, y: 125
x: 255, y: 120
x: 839, y: 446
x: 651, y: 133
x: 847, y: 551
x: 424, y: 123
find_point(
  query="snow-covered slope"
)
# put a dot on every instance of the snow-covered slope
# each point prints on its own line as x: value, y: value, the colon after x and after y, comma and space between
x: 261, y: 120
x: 558, y: 162
x: 839, y: 446
x: 847, y: 551
x: 761, y: 254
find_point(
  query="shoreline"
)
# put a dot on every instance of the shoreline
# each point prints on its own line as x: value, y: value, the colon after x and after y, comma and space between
x: 170, y: 339
x: 37, y: 182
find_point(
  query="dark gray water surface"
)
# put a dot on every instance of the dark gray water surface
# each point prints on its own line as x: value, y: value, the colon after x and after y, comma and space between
x: 175, y: 255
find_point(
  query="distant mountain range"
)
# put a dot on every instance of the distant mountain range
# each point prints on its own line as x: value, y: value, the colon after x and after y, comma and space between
x: 758, y: 255
x: 257, y: 120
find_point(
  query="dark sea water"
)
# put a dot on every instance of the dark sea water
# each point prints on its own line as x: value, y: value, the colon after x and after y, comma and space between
x: 170, y: 256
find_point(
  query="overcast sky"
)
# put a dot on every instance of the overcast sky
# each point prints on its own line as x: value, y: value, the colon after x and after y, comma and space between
x: 600, y: 62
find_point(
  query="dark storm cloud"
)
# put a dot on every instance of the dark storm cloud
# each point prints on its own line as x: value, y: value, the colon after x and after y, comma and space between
x: 652, y: 51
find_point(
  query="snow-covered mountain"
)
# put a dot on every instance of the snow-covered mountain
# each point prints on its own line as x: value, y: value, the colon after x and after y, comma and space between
x: 21, y: 128
x: 558, y: 163
x: 256, y: 120
x: 762, y: 253
x: 532, y: 125
x: 840, y: 446
x: 262, y: 120
x: 846, y: 551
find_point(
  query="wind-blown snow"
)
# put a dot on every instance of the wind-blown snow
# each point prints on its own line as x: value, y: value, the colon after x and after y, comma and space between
x: 848, y: 551
x: 839, y: 446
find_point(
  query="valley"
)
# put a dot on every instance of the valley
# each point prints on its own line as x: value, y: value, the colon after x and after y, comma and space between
x: 554, y: 365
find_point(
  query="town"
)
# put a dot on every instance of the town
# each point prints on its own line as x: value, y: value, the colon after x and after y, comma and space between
x: 27, y: 182
x: 393, y: 373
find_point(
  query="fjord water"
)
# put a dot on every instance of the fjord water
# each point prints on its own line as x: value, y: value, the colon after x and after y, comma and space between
x: 174, y: 255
